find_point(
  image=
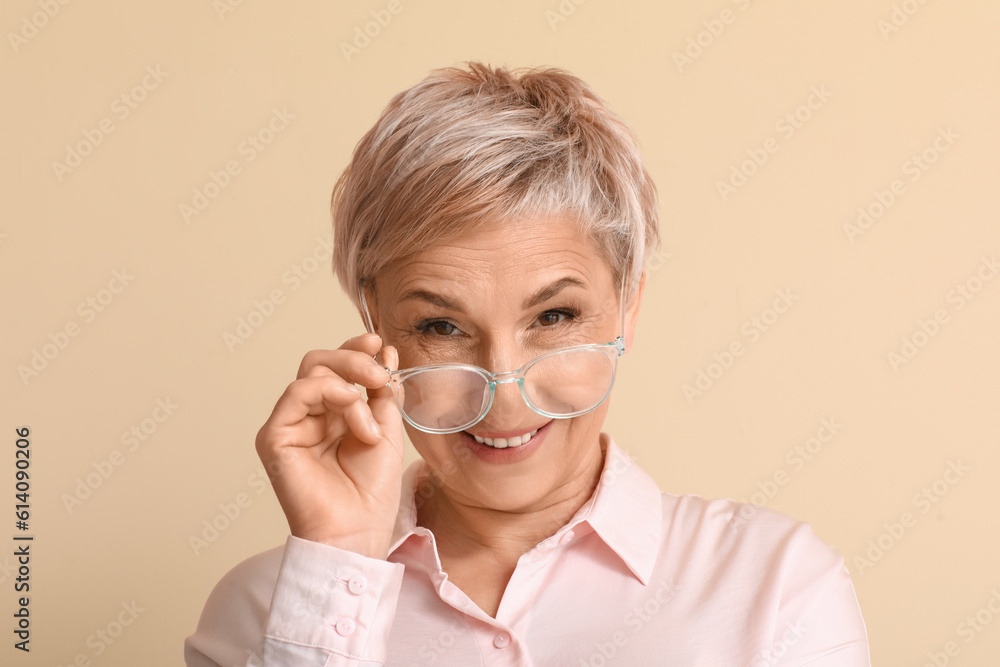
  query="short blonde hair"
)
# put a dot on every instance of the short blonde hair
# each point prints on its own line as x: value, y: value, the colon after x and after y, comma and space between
x: 465, y: 149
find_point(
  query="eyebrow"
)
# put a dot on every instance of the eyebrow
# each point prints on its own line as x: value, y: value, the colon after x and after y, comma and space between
x: 432, y: 298
x: 546, y: 293
x: 539, y: 297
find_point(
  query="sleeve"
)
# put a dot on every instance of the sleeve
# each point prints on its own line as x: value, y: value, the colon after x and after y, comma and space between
x: 329, y: 607
x: 818, y: 621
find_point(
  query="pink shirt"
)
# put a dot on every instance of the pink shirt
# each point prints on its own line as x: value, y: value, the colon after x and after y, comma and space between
x: 636, y: 577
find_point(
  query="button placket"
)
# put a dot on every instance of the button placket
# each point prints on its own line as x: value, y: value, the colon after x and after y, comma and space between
x: 356, y: 584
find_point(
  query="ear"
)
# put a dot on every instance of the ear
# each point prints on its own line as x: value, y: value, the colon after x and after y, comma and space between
x: 632, y: 312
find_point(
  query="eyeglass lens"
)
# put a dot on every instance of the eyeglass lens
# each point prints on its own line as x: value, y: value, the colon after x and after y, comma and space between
x: 560, y: 384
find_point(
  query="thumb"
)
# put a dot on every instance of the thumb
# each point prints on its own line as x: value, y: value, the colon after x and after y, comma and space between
x: 382, y: 401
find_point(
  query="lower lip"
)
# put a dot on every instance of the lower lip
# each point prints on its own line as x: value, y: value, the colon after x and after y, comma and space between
x: 508, y: 454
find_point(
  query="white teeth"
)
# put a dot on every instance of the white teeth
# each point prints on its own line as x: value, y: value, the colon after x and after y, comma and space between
x: 504, y: 443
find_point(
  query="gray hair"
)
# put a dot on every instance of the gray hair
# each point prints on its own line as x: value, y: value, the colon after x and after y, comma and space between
x: 465, y: 149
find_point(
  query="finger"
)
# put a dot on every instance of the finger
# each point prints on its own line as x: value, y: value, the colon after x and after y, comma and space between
x: 354, y: 361
x: 369, y: 343
x: 387, y: 357
x: 382, y: 401
x: 320, y: 370
x: 314, y: 396
x: 362, y: 423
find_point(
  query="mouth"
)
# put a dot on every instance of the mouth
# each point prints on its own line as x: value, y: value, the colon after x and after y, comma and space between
x: 504, y: 443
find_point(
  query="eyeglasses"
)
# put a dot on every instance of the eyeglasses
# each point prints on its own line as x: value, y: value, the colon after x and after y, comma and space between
x: 563, y: 383
x: 446, y: 398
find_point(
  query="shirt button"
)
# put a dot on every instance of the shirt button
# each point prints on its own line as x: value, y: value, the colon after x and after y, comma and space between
x: 566, y: 538
x: 357, y: 584
x: 502, y: 640
x: 345, y: 627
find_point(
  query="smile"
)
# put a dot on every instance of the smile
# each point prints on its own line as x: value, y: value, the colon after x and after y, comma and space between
x: 504, y: 443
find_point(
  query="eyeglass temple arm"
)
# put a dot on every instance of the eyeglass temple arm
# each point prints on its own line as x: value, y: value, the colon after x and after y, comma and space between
x: 626, y: 278
x: 364, y: 307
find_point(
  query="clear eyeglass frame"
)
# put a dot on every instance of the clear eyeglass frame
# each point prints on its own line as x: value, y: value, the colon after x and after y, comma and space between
x: 614, y: 349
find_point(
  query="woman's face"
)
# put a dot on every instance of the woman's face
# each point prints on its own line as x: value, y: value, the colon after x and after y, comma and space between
x: 498, y: 299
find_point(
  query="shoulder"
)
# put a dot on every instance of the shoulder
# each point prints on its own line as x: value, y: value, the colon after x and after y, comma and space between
x: 780, y: 558
x: 741, y: 532
x: 232, y: 621
x: 769, y: 575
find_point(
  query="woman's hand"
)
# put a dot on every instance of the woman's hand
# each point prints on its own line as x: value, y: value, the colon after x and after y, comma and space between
x: 334, y: 459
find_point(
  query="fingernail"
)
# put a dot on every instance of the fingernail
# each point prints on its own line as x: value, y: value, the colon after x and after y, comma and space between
x: 375, y: 428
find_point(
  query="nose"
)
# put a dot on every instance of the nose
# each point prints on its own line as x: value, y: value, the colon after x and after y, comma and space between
x: 509, y: 409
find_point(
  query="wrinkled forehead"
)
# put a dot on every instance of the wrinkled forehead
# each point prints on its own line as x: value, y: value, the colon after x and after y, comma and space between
x: 524, y: 256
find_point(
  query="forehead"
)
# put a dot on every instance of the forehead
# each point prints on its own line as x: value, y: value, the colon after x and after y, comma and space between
x: 510, y: 257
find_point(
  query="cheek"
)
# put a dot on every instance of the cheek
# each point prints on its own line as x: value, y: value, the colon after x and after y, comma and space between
x: 583, y: 426
x: 422, y: 442
x: 437, y: 450
x: 411, y: 351
x: 417, y: 350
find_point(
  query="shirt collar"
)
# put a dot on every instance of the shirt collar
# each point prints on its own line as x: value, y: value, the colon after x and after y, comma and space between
x: 406, y: 518
x: 626, y: 510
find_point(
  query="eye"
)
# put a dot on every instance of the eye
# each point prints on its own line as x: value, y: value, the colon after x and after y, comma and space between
x: 552, y: 317
x: 438, y: 328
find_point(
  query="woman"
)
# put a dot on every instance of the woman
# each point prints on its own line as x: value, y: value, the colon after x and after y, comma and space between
x: 491, y: 221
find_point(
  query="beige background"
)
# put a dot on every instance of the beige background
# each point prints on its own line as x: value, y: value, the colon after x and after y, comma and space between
x: 892, y: 79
